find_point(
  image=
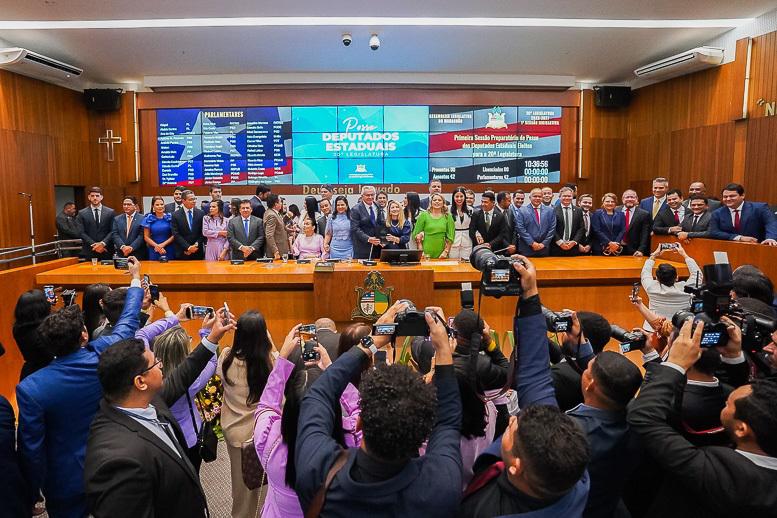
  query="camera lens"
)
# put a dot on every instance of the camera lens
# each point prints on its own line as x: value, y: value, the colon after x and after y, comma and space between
x: 481, y: 257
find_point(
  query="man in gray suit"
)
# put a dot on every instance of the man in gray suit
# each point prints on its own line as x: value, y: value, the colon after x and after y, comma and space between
x: 535, y: 226
x: 698, y: 188
x: 697, y: 220
x: 246, y: 234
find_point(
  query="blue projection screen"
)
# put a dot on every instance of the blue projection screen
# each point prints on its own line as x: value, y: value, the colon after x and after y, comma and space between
x: 359, y: 144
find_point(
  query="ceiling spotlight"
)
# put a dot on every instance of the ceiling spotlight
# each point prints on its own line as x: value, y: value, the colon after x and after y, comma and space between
x: 347, y: 38
x: 374, y: 42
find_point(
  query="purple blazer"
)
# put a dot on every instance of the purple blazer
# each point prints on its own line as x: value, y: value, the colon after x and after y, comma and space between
x: 281, y: 501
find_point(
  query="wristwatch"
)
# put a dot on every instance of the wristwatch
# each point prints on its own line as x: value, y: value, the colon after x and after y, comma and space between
x: 368, y: 343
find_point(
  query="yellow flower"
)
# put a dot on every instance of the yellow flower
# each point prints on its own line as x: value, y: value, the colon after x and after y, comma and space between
x: 207, y: 401
x: 212, y: 390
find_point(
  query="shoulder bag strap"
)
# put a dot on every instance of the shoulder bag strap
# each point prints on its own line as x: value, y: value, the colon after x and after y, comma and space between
x: 315, y: 507
x: 191, y: 413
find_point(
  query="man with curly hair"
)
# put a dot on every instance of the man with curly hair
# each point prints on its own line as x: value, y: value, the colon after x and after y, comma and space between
x: 384, y: 477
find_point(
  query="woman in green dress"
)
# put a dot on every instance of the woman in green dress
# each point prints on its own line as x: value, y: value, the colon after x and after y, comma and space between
x: 434, y: 229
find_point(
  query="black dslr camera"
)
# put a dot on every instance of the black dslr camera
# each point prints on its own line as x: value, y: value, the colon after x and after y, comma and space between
x: 410, y: 321
x: 712, y: 300
x: 557, y: 321
x: 628, y: 340
x: 499, y: 277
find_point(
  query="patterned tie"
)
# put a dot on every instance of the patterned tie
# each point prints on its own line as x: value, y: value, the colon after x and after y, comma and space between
x: 736, y: 220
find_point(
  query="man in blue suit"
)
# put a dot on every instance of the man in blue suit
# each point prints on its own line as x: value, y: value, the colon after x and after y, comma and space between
x: 127, y: 232
x: 535, y: 226
x: 745, y: 221
x: 653, y: 204
x: 365, y: 222
x: 57, y: 403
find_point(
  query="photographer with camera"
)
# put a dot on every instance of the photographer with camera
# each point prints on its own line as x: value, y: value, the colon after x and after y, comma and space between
x: 712, y: 480
x: 384, y: 477
x: 667, y: 294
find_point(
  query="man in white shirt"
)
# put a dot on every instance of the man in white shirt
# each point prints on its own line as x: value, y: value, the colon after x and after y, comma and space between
x: 667, y: 295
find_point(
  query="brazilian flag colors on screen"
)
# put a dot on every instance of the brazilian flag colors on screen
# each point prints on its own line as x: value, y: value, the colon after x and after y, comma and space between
x: 359, y: 145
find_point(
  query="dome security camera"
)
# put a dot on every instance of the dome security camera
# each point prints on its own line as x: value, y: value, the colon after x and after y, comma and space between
x: 374, y: 42
x: 347, y: 39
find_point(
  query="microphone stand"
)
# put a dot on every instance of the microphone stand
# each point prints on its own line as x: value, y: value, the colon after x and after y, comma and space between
x: 32, y: 226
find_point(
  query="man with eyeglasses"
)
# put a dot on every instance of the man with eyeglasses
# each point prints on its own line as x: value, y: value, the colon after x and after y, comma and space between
x: 136, y: 462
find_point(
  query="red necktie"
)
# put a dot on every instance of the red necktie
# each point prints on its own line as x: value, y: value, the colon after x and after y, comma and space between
x: 676, y: 217
x: 628, y: 219
x: 537, y: 214
x: 736, y: 220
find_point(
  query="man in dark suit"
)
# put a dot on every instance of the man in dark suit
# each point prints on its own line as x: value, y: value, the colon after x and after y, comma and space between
x: 58, y: 402
x: 741, y: 473
x: 669, y: 219
x: 67, y: 227
x: 586, y: 203
x: 187, y: 228
x: 697, y: 219
x: 505, y: 204
x: 96, y: 224
x: 325, y: 206
x: 177, y: 202
x: 636, y: 238
x: 569, y: 225
x: 327, y: 334
x: 698, y: 188
x: 127, y: 232
x: 653, y: 204
x: 365, y: 225
x: 136, y: 461
x: 246, y: 234
x: 745, y: 221
x: 258, y: 200
x: 487, y: 224
x: 435, y: 187
x: 215, y: 195
x: 535, y: 226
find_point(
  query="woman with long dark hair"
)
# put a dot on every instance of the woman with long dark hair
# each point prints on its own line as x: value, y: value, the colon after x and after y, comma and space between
x: 31, y: 308
x: 337, y: 241
x: 214, y: 228
x: 91, y: 308
x: 412, y: 204
x: 277, y: 416
x: 243, y: 369
x: 462, y: 216
x: 158, y: 231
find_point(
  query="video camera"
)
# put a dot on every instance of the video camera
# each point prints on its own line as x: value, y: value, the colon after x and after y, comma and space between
x: 499, y: 277
x: 712, y: 300
x: 628, y: 340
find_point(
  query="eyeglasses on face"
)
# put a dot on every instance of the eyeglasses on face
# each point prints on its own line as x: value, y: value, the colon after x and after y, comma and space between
x: 157, y: 362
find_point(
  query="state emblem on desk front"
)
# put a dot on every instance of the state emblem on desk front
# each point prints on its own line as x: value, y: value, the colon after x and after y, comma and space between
x: 373, y: 299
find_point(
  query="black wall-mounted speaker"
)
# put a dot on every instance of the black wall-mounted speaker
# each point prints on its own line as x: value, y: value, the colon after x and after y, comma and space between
x: 612, y: 96
x: 102, y: 100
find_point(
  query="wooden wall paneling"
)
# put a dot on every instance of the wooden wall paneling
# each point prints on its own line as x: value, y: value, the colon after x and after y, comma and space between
x: 704, y: 152
x: 763, y: 73
x: 761, y: 161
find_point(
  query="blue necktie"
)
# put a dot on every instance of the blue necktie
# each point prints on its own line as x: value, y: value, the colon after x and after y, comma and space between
x: 189, y: 212
x: 372, y: 215
x: 245, y: 226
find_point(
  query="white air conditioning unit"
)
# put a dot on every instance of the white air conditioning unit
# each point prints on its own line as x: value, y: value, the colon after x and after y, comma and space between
x: 681, y: 64
x: 38, y: 66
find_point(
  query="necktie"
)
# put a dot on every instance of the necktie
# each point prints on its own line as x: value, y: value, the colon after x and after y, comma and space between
x: 628, y: 219
x: 97, y: 216
x: 191, y: 220
x: 566, y: 224
x: 129, y: 224
x: 695, y: 220
x: 736, y: 220
x: 488, y: 221
x: 587, y: 223
x: 537, y: 215
x: 372, y: 215
x: 171, y: 435
x: 656, y: 205
x: 245, y: 226
x: 676, y: 216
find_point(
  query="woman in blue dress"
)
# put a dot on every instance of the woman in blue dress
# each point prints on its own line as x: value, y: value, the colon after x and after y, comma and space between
x: 398, y: 232
x: 607, y: 227
x: 157, y: 231
x: 338, y: 231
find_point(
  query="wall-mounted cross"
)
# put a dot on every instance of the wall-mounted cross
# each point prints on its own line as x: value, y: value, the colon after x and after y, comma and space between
x: 109, y: 140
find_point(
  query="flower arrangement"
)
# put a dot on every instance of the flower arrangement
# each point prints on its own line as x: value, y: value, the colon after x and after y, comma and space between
x: 209, y: 401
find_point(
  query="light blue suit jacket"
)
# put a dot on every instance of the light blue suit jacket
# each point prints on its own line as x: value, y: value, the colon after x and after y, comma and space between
x: 528, y: 231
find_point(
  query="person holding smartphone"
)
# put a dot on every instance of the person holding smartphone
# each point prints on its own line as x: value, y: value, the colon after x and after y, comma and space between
x: 667, y: 295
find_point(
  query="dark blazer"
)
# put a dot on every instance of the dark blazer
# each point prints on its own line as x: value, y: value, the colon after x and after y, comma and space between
x: 57, y: 405
x: 637, y: 238
x: 738, y: 486
x: 33, y: 348
x: 130, y: 472
x: 330, y: 340
x: 712, y: 204
x: 495, y: 233
x: 363, y: 229
x: 665, y: 220
x: 205, y: 206
x: 14, y: 492
x: 755, y: 220
x: 135, y: 238
x: 171, y: 207
x: 67, y: 226
x: 601, y: 231
x: 184, y: 237
x: 576, y: 231
x: 257, y: 207
x: 508, y: 234
x: 587, y: 232
x: 236, y: 234
x: 528, y: 232
x: 702, y: 226
x: 92, y: 232
x: 646, y: 204
x: 321, y: 223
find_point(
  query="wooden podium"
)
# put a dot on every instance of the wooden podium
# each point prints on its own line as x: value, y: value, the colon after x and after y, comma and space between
x: 342, y: 293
